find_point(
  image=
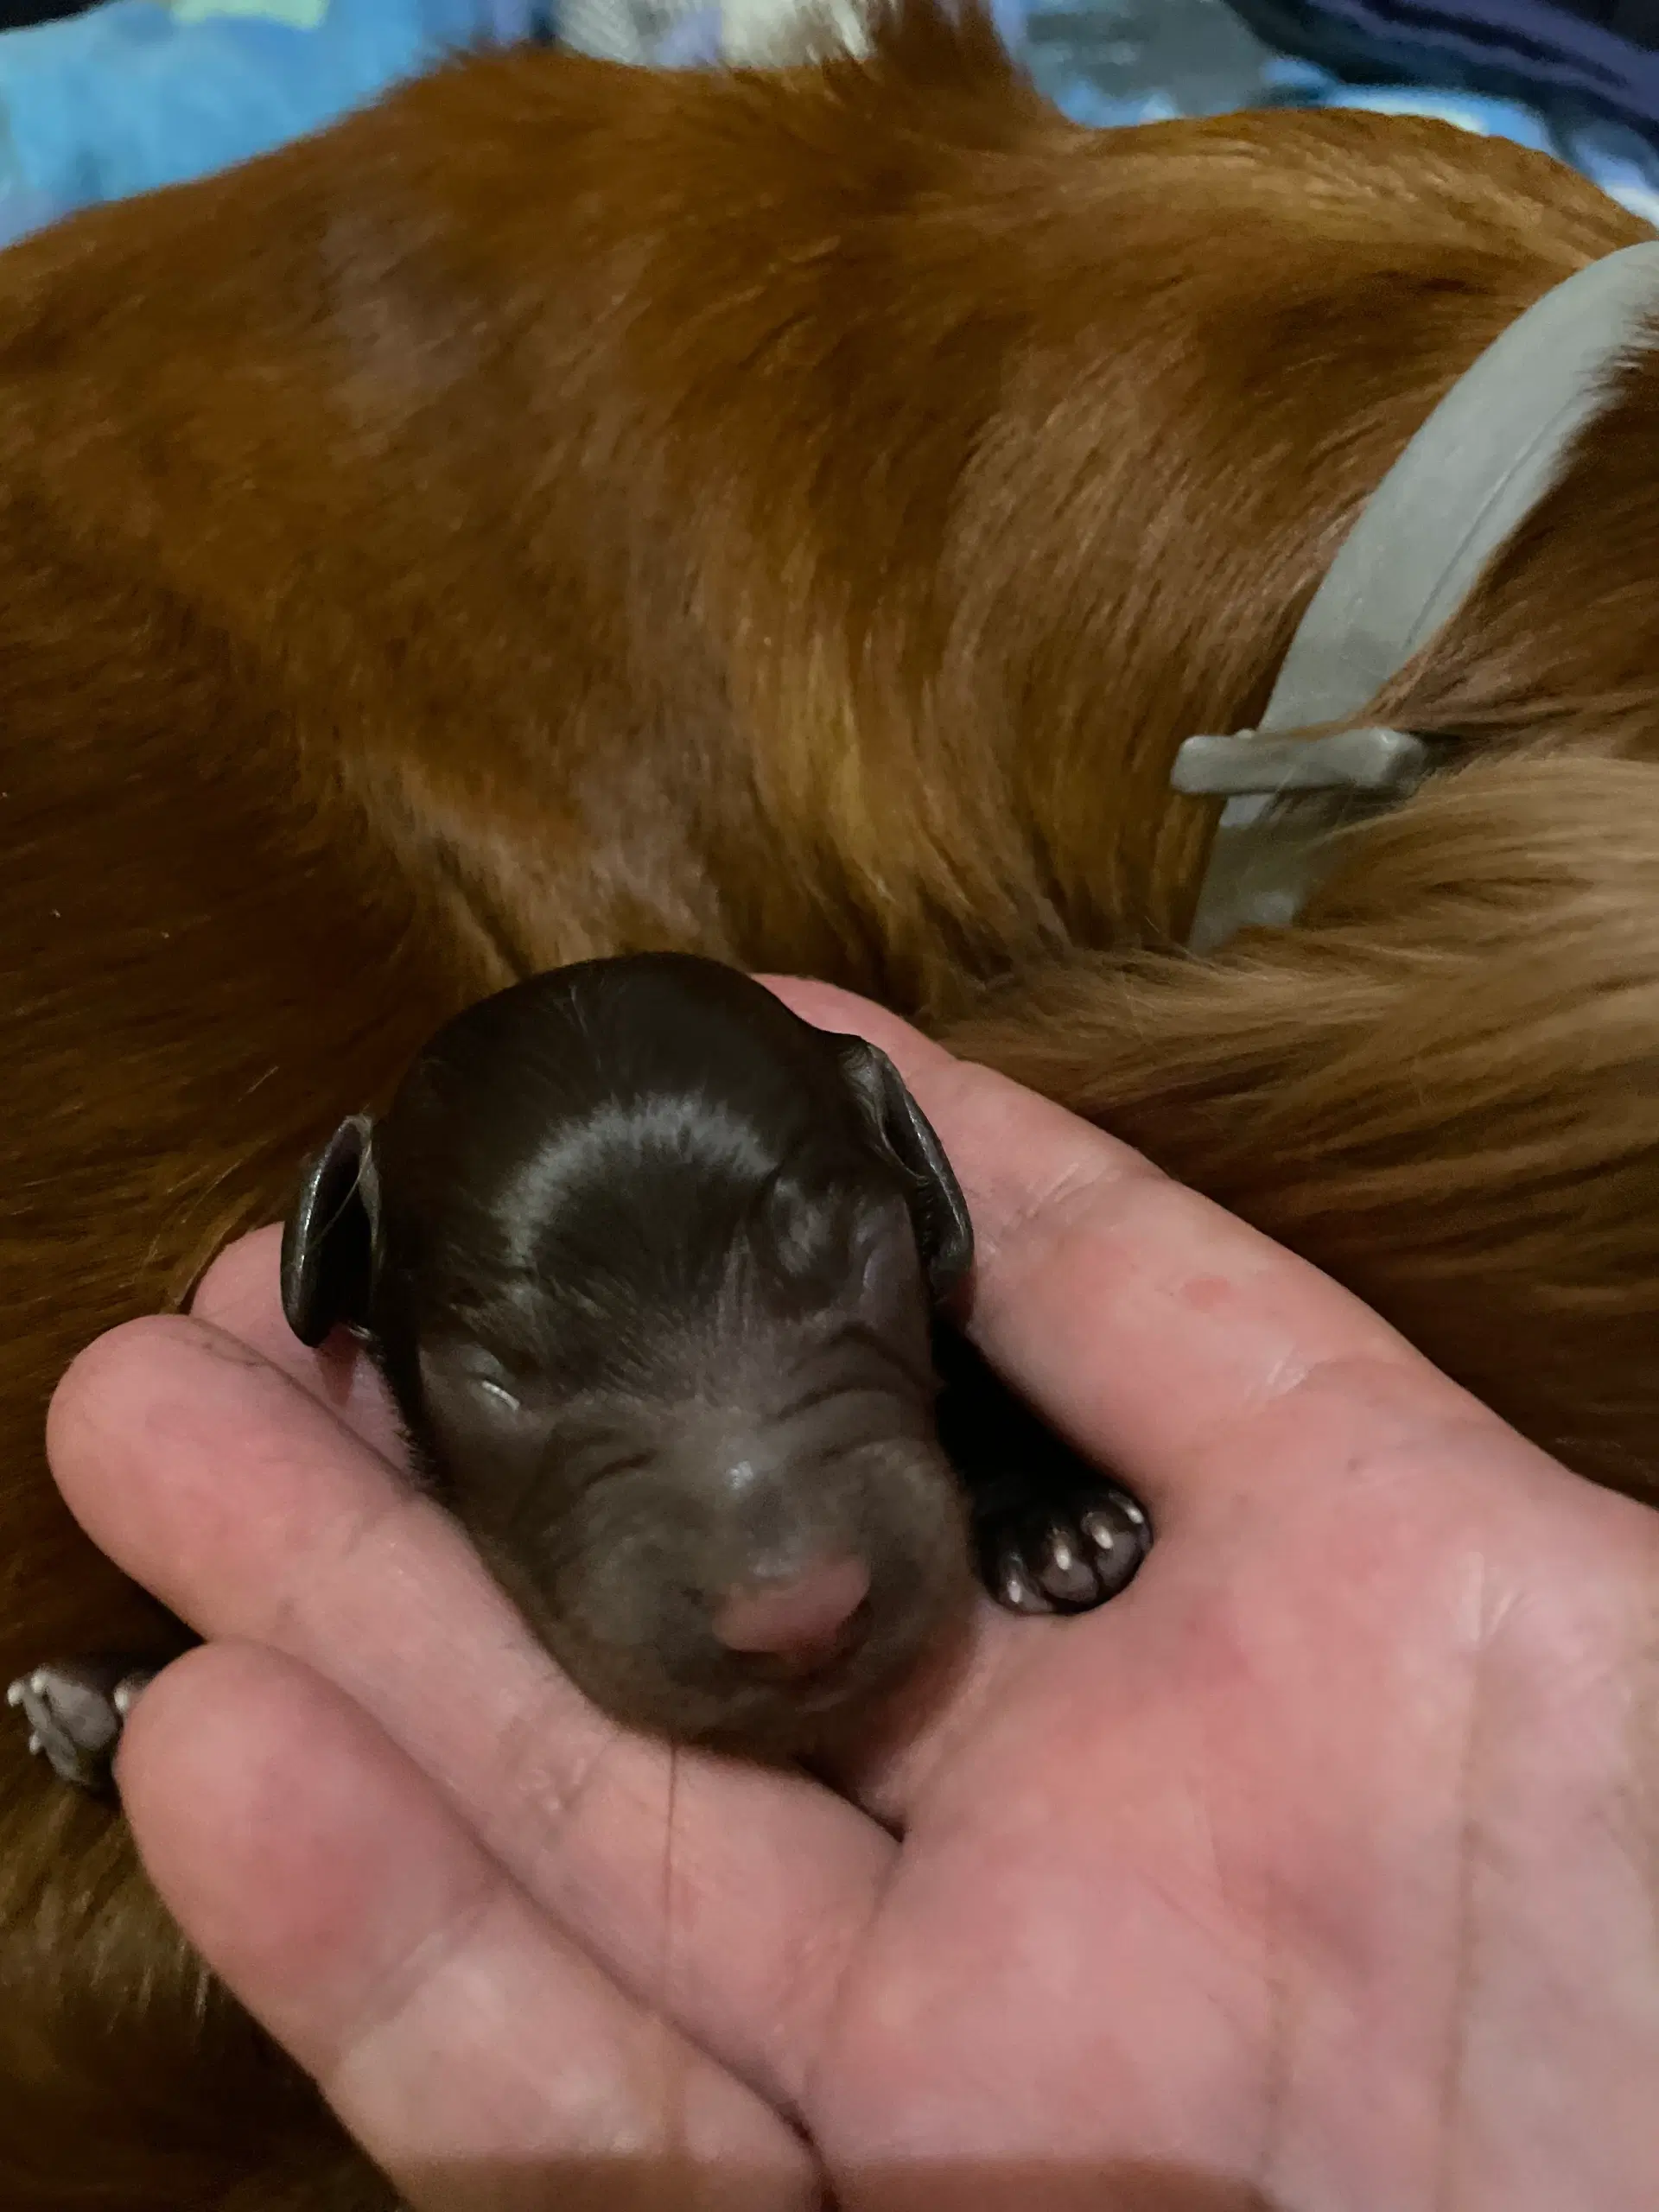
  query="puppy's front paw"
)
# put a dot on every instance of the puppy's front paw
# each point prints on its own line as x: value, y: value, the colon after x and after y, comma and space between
x: 75, y: 1710
x: 1065, y: 1556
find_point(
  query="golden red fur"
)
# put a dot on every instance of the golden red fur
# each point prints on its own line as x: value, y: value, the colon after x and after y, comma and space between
x: 796, y: 518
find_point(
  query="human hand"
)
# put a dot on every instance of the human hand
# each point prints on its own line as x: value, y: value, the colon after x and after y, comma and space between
x: 1319, y: 1870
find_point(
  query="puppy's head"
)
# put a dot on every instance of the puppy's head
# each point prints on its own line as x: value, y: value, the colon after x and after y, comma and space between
x: 648, y: 1264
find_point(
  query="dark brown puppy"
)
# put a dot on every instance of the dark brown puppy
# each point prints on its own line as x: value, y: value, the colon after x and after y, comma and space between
x: 645, y: 1262
x: 650, y: 1266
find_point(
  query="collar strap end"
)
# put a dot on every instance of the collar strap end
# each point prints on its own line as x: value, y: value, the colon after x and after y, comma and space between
x: 1387, y: 763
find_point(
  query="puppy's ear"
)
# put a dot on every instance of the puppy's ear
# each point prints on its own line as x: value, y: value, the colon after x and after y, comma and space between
x: 330, y: 1237
x: 938, y: 1212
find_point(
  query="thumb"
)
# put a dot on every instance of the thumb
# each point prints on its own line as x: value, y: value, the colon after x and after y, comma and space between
x: 1146, y: 1324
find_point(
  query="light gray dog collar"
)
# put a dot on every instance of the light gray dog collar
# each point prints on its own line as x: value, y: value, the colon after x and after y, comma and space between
x: 1483, y: 459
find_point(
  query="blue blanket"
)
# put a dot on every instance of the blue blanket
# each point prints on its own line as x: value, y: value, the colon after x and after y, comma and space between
x: 137, y: 93
x: 1122, y: 61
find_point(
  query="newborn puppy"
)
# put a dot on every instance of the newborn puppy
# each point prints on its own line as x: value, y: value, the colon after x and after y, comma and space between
x: 650, y: 1266
x: 647, y: 1262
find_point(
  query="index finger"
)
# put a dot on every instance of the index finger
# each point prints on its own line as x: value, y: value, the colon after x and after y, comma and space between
x: 1143, y: 1321
x: 726, y: 1896
x: 473, y: 2050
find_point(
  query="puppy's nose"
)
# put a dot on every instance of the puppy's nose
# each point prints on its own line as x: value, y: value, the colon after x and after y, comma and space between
x: 802, y: 1620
